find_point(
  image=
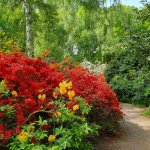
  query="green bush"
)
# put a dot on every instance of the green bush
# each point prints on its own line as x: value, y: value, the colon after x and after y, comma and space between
x: 128, y: 73
x: 129, y: 79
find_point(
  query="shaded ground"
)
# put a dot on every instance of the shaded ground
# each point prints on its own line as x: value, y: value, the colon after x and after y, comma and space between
x: 135, y: 134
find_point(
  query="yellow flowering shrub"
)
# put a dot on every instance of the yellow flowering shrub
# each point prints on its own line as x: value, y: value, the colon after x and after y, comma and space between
x: 57, y: 113
x: 71, y: 94
x: 42, y: 96
x: 14, y: 93
x: 51, y: 138
x: 23, y: 136
x: 76, y: 107
x: 8, y: 43
x: 62, y: 90
x: 65, y: 87
x: 55, y: 95
x: 59, y: 123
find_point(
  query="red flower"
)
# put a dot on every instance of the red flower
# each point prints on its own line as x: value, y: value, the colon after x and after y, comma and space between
x: 17, y: 130
x: 53, y: 61
x: 33, y: 140
x: 30, y: 102
x: 8, y: 134
x: 31, y: 77
x: 1, y: 114
x: 45, y: 127
x: 1, y: 129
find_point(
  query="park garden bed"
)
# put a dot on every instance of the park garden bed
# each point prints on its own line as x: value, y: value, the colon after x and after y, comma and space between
x: 52, y: 106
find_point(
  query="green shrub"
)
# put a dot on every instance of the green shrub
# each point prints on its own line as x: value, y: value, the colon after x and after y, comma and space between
x: 129, y: 79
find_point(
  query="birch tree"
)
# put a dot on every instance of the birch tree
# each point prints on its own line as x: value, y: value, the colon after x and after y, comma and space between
x: 29, y: 32
x: 29, y: 7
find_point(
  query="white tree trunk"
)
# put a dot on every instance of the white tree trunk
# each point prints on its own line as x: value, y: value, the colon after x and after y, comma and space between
x: 29, y: 33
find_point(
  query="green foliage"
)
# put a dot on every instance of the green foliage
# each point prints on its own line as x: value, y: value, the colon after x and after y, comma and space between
x: 129, y: 73
x: 129, y: 79
x: 9, y: 111
x: 147, y: 112
x: 8, y: 42
x: 4, y: 91
x: 69, y: 129
x: 98, y: 31
x: 12, y: 23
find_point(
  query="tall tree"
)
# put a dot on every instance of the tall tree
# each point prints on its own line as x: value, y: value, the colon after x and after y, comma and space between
x: 29, y: 31
x: 32, y: 9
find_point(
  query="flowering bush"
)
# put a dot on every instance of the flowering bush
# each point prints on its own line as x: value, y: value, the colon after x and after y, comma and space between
x: 41, y: 106
x: 65, y: 128
x: 96, y: 92
x: 31, y: 88
x: 8, y: 43
x: 66, y: 64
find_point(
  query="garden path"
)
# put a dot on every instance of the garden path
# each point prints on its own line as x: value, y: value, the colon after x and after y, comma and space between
x: 135, y: 132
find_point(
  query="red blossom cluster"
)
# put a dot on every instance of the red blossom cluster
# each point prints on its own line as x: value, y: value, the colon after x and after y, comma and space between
x: 31, y: 83
x: 29, y: 78
x: 97, y: 93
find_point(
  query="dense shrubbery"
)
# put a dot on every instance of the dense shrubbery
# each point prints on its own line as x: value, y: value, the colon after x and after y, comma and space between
x: 129, y: 72
x: 129, y: 79
x: 56, y: 109
x: 97, y: 93
x: 146, y: 113
x: 7, y: 42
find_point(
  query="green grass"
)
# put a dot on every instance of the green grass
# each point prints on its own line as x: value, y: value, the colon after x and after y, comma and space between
x: 139, y: 105
x: 147, y: 112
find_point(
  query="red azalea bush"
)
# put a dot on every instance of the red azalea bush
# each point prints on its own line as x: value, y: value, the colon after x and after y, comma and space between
x: 26, y: 78
x: 31, y: 83
x: 96, y: 92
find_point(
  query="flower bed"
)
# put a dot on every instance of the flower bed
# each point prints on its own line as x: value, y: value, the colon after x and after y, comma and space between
x: 43, y: 107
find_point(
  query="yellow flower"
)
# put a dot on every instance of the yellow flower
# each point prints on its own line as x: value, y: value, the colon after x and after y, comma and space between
x: 63, y: 86
x: 71, y: 94
x: 14, y: 93
x: 41, y: 90
x: 57, y: 113
x: 41, y: 96
x: 51, y: 138
x: 55, y: 95
x: 23, y: 136
x: 66, y: 84
x: 76, y: 107
x: 69, y: 85
x: 62, y: 90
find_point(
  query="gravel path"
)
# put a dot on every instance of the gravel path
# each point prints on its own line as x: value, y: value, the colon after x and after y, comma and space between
x: 135, y: 134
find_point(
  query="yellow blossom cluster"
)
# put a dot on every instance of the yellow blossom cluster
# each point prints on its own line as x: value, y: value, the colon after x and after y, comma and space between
x: 42, y: 96
x: 51, y: 138
x: 75, y: 107
x: 57, y: 113
x: 23, y: 136
x: 71, y: 94
x: 65, y: 87
x: 55, y: 95
x: 14, y: 93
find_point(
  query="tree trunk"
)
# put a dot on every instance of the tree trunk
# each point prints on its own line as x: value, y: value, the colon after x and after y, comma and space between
x: 29, y: 33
